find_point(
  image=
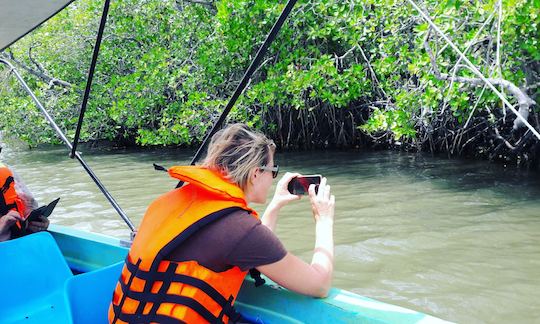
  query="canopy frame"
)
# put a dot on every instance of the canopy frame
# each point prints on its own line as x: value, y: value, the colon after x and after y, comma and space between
x: 63, y: 137
x: 246, y: 79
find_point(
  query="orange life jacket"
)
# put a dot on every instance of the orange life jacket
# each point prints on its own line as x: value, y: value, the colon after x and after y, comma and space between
x: 152, y: 289
x: 9, y: 199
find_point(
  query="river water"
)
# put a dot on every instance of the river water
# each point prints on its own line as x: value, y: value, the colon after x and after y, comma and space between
x: 456, y: 239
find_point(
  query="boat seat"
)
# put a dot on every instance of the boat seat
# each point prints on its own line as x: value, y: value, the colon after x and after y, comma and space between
x: 89, y: 294
x: 32, y: 279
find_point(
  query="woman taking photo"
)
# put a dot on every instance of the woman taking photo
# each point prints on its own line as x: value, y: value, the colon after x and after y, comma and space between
x: 196, y: 243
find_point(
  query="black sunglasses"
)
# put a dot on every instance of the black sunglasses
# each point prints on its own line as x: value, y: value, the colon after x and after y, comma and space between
x: 274, y: 170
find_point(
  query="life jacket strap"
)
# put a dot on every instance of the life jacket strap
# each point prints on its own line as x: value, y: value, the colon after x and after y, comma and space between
x: 229, y: 310
x: 153, y: 298
x: 256, y: 275
x: 6, y: 184
x: 171, y: 269
x: 168, y: 277
x: 5, y: 207
x: 118, y: 309
x: 140, y: 318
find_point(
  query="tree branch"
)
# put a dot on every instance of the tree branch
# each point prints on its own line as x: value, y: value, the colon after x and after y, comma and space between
x: 37, y: 64
x: 50, y: 80
x: 524, y: 101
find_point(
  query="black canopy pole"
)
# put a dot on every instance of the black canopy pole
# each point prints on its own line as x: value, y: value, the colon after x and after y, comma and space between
x: 68, y: 144
x: 245, y: 79
x: 90, y: 76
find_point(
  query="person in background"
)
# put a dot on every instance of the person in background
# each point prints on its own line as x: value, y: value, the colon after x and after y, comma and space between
x: 196, y: 243
x: 16, y: 203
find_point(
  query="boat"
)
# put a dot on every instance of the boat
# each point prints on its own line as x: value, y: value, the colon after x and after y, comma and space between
x: 66, y: 275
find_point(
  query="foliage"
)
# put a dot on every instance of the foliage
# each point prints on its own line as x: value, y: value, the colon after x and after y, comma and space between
x: 338, y: 74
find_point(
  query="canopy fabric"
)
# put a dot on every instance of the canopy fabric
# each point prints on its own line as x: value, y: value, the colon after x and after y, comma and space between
x: 19, y: 17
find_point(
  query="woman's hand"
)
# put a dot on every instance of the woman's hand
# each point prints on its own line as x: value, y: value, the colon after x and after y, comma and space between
x: 282, y: 196
x: 322, y: 202
x: 6, y: 222
x: 293, y: 273
x: 41, y: 224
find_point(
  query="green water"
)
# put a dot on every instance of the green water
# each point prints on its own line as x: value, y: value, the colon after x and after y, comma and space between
x: 458, y: 240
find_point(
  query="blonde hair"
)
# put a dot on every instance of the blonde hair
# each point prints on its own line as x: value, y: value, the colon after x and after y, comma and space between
x: 236, y: 150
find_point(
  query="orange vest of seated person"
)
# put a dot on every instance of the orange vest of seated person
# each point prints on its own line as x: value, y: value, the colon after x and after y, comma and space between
x: 9, y: 199
x: 153, y: 289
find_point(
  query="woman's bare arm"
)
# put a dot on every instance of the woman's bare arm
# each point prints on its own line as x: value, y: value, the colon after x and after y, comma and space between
x: 310, y: 279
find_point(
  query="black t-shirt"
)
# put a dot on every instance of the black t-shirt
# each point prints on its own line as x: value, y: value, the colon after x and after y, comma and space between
x: 237, y: 239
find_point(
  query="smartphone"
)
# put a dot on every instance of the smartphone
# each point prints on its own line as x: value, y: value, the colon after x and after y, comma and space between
x: 300, y: 185
x: 42, y: 211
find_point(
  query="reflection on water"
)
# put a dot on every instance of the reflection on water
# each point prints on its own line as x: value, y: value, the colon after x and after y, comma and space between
x: 459, y: 240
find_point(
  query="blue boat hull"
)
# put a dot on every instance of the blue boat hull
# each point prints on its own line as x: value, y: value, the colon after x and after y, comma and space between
x: 85, y: 267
